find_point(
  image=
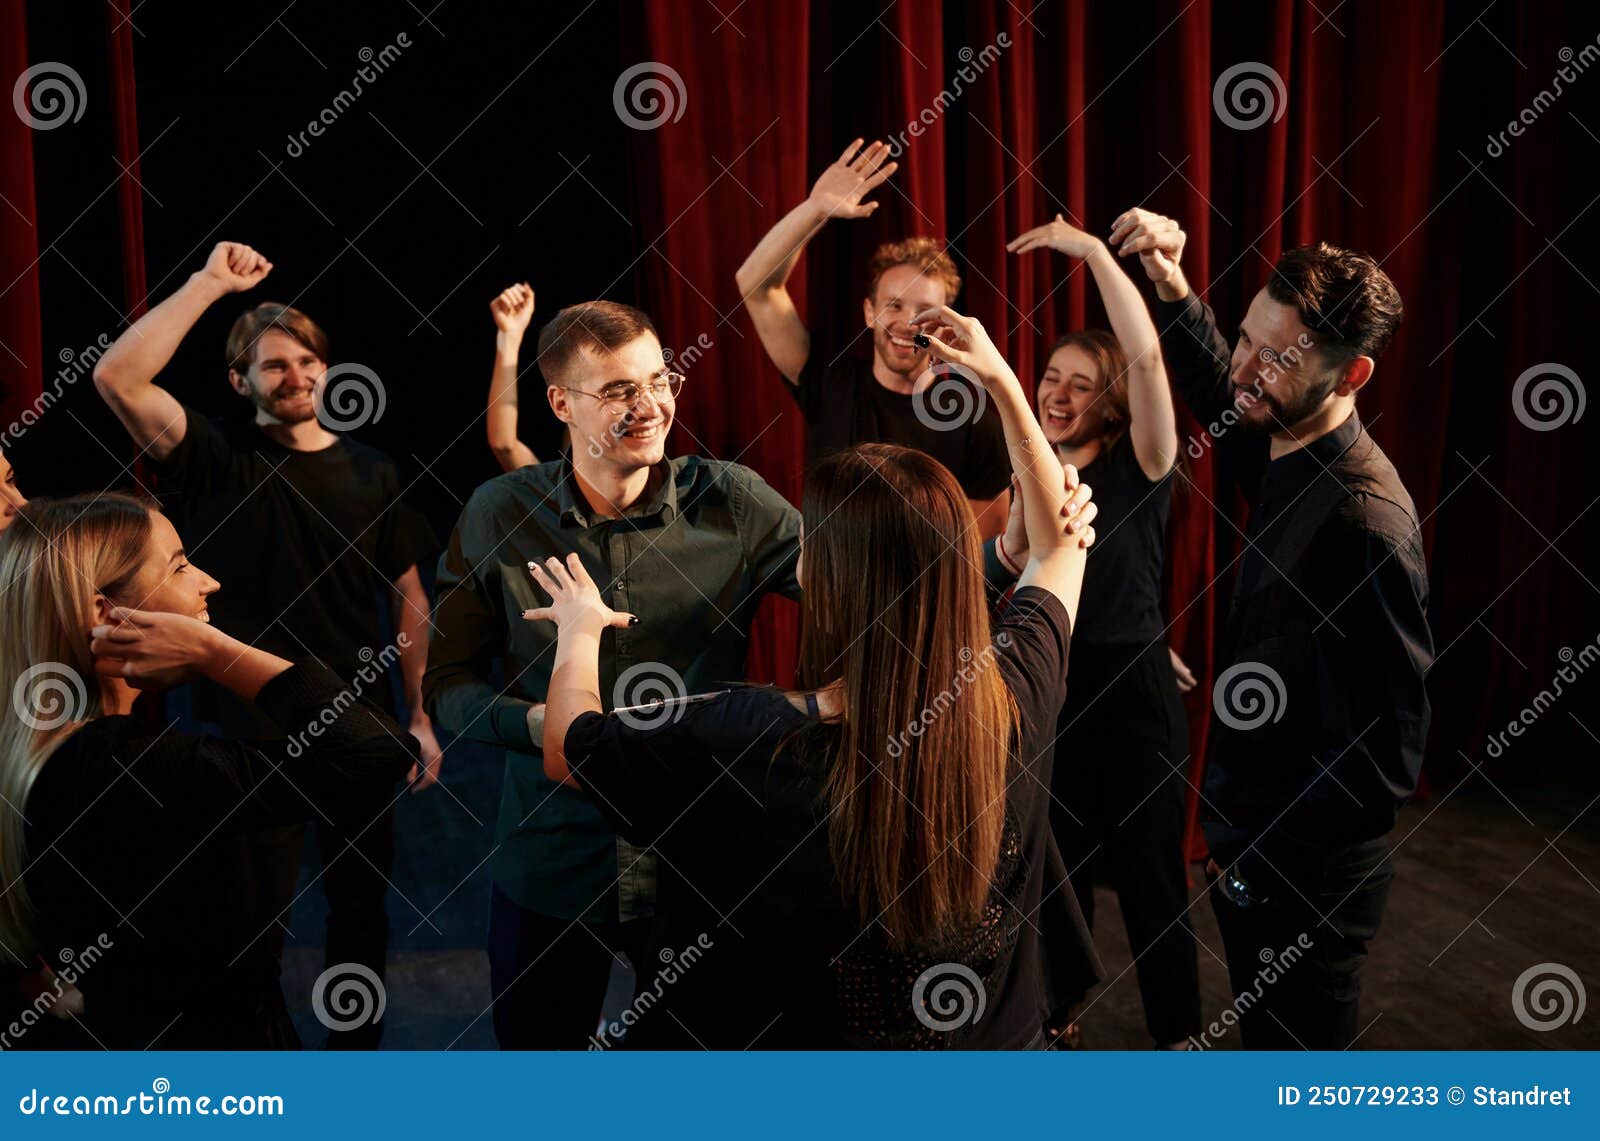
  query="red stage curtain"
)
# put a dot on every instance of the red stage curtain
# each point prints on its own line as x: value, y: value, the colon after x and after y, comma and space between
x: 21, y: 337
x: 1091, y: 110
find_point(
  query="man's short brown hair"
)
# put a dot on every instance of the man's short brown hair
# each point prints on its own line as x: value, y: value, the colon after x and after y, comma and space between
x: 1342, y: 297
x: 252, y: 324
x: 926, y: 254
x: 604, y: 326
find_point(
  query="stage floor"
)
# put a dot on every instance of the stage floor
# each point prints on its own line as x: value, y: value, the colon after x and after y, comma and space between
x: 1484, y: 889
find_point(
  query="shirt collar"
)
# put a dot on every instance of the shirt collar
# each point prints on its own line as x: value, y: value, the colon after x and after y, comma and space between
x: 661, y: 498
x: 1322, y: 453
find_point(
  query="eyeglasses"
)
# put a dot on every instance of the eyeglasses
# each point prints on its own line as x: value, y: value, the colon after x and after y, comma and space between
x: 622, y: 395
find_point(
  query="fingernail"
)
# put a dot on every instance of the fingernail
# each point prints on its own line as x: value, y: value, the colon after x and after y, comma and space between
x: 633, y: 620
x: 527, y: 614
x: 921, y: 341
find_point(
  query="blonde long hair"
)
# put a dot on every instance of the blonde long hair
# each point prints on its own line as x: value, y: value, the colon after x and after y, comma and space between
x: 54, y: 558
x: 895, y: 609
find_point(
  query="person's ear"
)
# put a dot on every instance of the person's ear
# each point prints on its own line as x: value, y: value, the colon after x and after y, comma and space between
x: 868, y: 310
x: 241, y: 383
x: 102, y: 610
x: 560, y: 403
x: 1356, y: 373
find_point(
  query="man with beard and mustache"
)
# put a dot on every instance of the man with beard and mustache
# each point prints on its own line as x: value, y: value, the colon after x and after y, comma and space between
x: 313, y: 522
x: 898, y: 397
x: 1322, y: 713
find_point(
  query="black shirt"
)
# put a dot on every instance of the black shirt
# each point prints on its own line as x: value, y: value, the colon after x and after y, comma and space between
x: 300, y: 541
x: 747, y: 885
x: 1122, y: 578
x: 1321, y: 724
x: 158, y: 823
x: 843, y: 405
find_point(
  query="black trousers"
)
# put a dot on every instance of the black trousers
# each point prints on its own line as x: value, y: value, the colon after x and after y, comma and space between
x: 356, y: 844
x: 548, y: 976
x: 1118, y: 801
x: 1304, y: 998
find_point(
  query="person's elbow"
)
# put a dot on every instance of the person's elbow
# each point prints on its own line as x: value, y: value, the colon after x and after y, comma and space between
x: 110, y: 381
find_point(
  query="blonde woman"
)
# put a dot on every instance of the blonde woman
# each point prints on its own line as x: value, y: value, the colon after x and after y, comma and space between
x: 130, y: 839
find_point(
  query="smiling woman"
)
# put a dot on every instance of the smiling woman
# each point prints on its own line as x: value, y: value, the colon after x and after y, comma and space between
x: 11, y: 500
x: 98, y: 601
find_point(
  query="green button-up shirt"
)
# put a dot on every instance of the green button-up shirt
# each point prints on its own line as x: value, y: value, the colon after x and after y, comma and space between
x: 692, y: 559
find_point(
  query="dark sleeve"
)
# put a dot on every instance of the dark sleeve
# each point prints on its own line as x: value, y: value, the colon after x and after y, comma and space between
x: 997, y: 580
x: 810, y: 388
x: 405, y: 539
x: 192, y: 468
x: 1369, y: 747
x: 1031, y: 642
x: 644, y: 777
x: 769, y: 528
x: 986, y: 468
x: 1197, y: 356
x: 469, y: 633
x: 331, y: 740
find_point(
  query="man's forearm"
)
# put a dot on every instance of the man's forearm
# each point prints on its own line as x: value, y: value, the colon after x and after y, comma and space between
x: 501, y: 420
x: 775, y: 256
x: 150, y: 342
x: 1175, y: 288
x: 411, y: 623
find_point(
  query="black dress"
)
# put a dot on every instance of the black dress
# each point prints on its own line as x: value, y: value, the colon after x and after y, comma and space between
x: 1122, y: 750
x: 754, y: 944
x: 137, y: 845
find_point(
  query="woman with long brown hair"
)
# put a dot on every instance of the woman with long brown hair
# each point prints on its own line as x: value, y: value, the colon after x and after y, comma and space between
x: 132, y: 841
x: 867, y: 862
x: 1123, y: 738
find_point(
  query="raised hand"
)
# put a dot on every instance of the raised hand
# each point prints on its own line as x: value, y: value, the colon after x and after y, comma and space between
x: 236, y: 266
x: 1157, y: 239
x: 1077, y: 517
x: 154, y: 649
x: 575, y: 602
x: 839, y: 190
x: 1060, y: 235
x: 512, y: 309
x: 963, y: 341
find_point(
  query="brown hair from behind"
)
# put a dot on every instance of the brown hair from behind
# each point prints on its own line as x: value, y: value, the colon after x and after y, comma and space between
x: 603, y: 326
x: 250, y: 326
x: 895, y: 609
x: 926, y: 254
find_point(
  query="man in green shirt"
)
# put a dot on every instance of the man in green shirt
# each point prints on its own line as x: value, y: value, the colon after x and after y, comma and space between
x: 688, y: 545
